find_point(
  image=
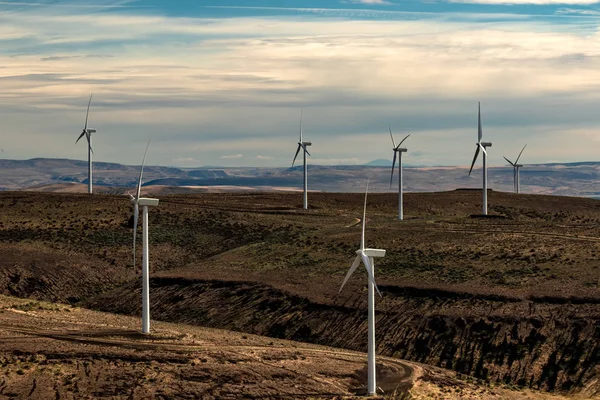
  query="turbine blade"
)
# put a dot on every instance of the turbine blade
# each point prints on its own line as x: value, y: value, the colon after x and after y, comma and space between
x: 139, y: 185
x: 483, y: 149
x: 404, y: 140
x: 88, y: 112
x: 367, y: 262
x: 516, y: 162
x: 297, y: 151
x: 474, y: 159
x: 80, y: 136
x: 364, y: 221
x: 355, y: 265
x: 392, y: 136
x: 479, y: 130
x: 136, y: 212
x: 301, y: 112
x: 88, y: 136
x: 306, y: 150
x: 393, y: 165
x: 510, y: 162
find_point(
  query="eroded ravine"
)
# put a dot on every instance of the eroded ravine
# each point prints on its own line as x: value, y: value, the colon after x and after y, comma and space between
x: 538, y: 344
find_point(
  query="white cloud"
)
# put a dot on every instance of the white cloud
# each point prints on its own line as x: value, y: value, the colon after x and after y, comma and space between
x: 576, y: 11
x: 206, y: 87
x: 184, y: 161
x: 232, y: 156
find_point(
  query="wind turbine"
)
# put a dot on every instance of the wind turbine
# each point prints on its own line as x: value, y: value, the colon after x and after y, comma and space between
x: 398, y: 152
x: 366, y: 255
x: 516, y: 172
x: 303, y: 145
x: 88, y: 135
x: 481, y: 146
x: 137, y: 201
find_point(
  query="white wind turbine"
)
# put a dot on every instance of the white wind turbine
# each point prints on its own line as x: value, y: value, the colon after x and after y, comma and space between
x: 88, y: 135
x: 366, y: 255
x: 398, y: 152
x: 516, y: 171
x: 481, y: 146
x: 137, y: 201
x: 303, y: 145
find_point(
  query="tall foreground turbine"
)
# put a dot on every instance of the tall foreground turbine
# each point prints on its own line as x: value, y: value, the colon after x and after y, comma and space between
x: 516, y: 171
x: 137, y: 201
x: 366, y: 255
x: 481, y: 146
x: 88, y: 135
x: 398, y: 152
x: 303, y: 145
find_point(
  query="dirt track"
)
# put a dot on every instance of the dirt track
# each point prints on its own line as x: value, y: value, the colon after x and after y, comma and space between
x: 79, y: 353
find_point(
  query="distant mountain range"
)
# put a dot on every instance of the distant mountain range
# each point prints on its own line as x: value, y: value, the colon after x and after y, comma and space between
x: 574, y: 179
x: 380, y: 162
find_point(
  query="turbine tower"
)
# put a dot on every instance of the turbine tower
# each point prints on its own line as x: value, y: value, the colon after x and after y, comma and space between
x: 516, y: 171
x: 481, y: 146
x: 367, y: 255
x: 398, y: 152
x: 137, y: 201
x: 88, y: 135
x: 303, y: 145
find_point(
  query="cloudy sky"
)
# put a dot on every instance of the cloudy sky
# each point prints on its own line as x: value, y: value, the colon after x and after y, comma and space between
x: 222, y: 82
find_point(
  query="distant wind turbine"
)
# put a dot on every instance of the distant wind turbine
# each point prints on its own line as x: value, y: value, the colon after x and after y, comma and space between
x: 88, y: 135
x: 398, y: 152
x: 303, y: 145
x: 366, y: 255
x: 516, y: 171
x: 137, y: 201
x: 481, y: 146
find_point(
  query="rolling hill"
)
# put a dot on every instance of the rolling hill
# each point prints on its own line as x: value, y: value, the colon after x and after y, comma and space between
x: 576, y: 179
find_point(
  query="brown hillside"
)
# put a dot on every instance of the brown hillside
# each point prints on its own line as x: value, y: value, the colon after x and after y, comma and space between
x: 508, y: 299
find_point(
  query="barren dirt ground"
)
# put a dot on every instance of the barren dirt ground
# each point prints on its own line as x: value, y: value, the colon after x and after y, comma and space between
x: 50, y: 350
x: 511, y: 299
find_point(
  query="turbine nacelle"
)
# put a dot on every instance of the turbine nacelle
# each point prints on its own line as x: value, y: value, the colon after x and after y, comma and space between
x: 516, y: 163
x: 305, y: 143
x: 485, y: 144
x: 144, y: 201
x: 397, y: 149
x: 364, y: 254
x: 375, y: 253
x: 91, y: 130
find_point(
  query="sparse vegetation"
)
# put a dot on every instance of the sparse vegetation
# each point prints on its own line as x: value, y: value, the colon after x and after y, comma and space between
x: 473, y: 295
